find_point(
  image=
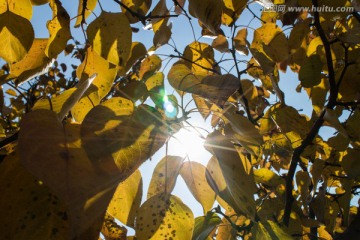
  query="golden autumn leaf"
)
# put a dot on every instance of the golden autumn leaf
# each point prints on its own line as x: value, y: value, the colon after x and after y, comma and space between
x: 127, y: 198
x: 138, y: 6
x: 164, y: 176
x: 16, y: 36
x: 35, y: 63
x: 169, y: 217
x: 208, y: 12
x: 194, y: 175
x: 90, y: 6
x: 59, y: 30
x: 110, y: 36
x: 22, y: 8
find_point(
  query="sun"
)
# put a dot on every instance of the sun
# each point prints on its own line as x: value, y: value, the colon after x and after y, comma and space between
x: 189, y: 142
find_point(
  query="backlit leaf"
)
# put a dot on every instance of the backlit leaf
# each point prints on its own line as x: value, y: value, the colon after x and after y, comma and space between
x: 240, y: 42
x: 138, y: 51
x: 94, y: 64
x: 201, y: 56
x: 221, y: 44
x: 16, y: 36
x: 90, y: 6
x: 351, y: 164
x: 164, y: 176
x: 208, y: 12
x: 149, y: 66
x: 127, y: 198
x: 64, y: 167
x: 303, y: 182
x: 35, y: 63
x: 241, y: 185
x: 110, y: 36
x: 204, y: 225
x: 202, y: 105
x: 138, y: 6
x: 59, y: 30
x: 310, y: 71
x: 22, y: 8
x: 88, y: 101
x: 194, y: 175
x: 268, y: 177
x: 164, y: 216
x: 217, y: 88
x: 232, y: 10
x: 32, y: 211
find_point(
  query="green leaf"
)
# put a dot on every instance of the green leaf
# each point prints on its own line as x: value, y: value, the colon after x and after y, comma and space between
x: 110, y: 36
x: 164, y: 216
x: 59, y: 30
x: 310, y: 71
x: 90, y: 6
x: 127, y: 199
x: 194, y: 175
x: 16, y: 37
x: 164, y: 176
x: 204, y: 225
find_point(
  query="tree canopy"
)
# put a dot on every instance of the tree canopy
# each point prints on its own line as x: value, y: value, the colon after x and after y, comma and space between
x: 74, y: 134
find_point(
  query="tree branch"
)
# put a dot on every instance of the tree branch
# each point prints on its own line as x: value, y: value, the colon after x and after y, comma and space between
x: 289, y: 199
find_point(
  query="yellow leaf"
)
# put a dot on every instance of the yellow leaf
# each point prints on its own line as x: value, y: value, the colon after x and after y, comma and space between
x: 64, y: 102
x: 204, y: 225
x: 217, y: 88
x: 156, y: 80
x: 90, y: 6
x: 269, y: 46
x: 256, y: 71
x: 88, y: 101
x: 201, y: 56
x: 149, y: 66
x: 221, y: 44
x: 241, y: 185
x: 111, y: 230
x: 232, y: 10
x: 202, y: 105
x: 164, y: 215
x: 194, y: 175
x: 11, y: 92
x: 32, y: 211
x: 303, y: 182
x: 35, y: 63
x: 65, y: 168
x: 138, y: 6
x: 22, y: 8
x: 138, y: 51
x: 110, y: 36
x: 240, y: 42
x: 119, y: 139
x: 94, y: 64
x: 208, y: 12
x: 127, y: 198
x: 352, y: 126
x: 268, y: 177
x: 164, y: 176
x: 59, y: 30
x: 16, y: 36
